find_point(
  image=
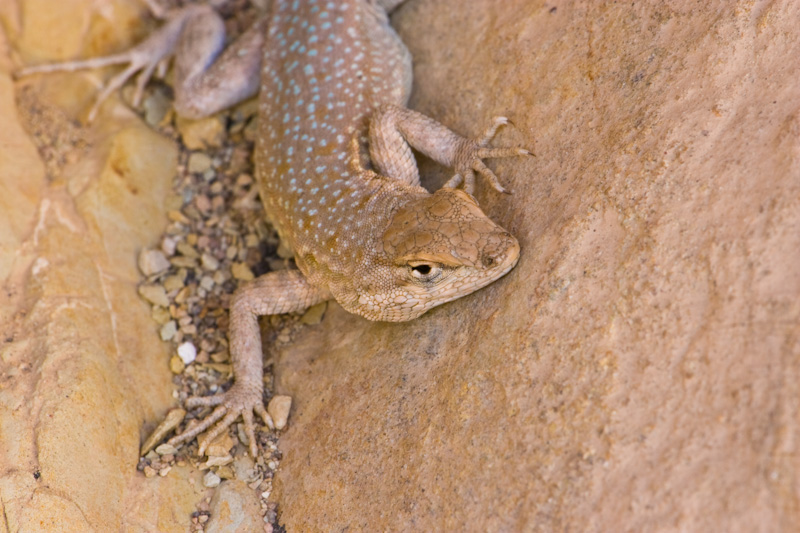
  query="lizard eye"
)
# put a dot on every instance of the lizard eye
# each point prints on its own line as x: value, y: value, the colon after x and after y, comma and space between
x: 425, y: 271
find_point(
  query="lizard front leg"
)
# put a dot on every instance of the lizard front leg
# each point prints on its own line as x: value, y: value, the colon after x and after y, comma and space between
x: 393, y: 130
x: 271, y: 294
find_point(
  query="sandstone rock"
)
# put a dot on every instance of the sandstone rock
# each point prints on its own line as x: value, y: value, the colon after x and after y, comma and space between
x: 638, y: 368
x: 81, y: 365
x: 234, y: 508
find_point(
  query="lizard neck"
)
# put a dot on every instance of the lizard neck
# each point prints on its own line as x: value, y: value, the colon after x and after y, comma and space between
x: 353, y: 251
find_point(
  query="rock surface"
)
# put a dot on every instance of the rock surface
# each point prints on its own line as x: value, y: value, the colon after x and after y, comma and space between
x: 82, y: 370
x: 639, y: 368
x: 234, y: 508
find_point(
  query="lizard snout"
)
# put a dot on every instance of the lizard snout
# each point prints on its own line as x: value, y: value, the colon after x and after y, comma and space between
x: 502, y: 252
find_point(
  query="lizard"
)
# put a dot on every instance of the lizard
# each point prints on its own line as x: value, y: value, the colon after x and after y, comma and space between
x: 335, y: 169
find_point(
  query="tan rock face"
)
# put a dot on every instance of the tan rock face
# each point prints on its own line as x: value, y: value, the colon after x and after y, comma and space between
x: 639, y: 367
x: 78, y: 376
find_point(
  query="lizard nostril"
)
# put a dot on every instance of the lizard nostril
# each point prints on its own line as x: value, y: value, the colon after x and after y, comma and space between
x: 488, y: 261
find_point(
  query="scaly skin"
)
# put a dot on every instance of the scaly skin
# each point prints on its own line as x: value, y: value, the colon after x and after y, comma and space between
x: 336, y: 172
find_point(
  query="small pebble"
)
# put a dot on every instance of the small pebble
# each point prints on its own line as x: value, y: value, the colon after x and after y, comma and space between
x: 203, y: 203
x: 219, y: 357
x: 201, y: 134
x: 160, y: 315
x: 278, y: 409
x: 187, y: 352
x: 152, y: 262
x: 198, y: 162
x: 166, y: 449
x: 181, y: 261
x: 251, y: 240
x: 155, y: 294
x: 209, y: 262
x: 244, y: 180
x: 207, y: 282
x: 220, y: 446
x: 242, y: 272
x: 187, y: 250
x: 168, y: 246
x: 156, y: 106
x: 168, y: 330
x: 225, y: 472
x: 176, y: 366
x: 216, y: 460
x: 177, y: 216
x: 173, y: 283
x: 191, y: 329
x: 211, y: 480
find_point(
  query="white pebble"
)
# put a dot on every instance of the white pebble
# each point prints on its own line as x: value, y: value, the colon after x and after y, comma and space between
x: 211, y: 480
x: 187, y: 352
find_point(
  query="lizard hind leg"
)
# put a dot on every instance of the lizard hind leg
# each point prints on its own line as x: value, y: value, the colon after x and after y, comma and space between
x: 195, y: 34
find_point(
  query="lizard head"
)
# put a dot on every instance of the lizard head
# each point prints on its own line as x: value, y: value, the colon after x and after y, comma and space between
x: 437, y: 247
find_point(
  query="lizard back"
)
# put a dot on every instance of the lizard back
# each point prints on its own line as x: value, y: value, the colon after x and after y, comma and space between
x: 326, y: 67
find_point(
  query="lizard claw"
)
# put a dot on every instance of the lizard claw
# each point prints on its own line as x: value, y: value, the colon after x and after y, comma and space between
x: 470, y: 156
x: 230, y: 405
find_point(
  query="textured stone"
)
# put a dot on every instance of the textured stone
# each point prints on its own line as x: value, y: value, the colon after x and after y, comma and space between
x: 82, y: 370
x: 234, y: 508
x: 638, y: 367
x: 640, y: 364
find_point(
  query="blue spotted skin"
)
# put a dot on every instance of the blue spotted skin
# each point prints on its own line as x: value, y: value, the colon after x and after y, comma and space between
x: 337, y: 175
x: 327, y: 66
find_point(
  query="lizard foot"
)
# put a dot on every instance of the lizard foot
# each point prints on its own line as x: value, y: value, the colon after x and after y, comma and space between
x: 152, y: 53
x: 230, y: 405
x: 470, y: 155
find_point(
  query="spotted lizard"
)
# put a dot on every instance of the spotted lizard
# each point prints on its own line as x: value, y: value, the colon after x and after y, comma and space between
x: 335, y: 169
